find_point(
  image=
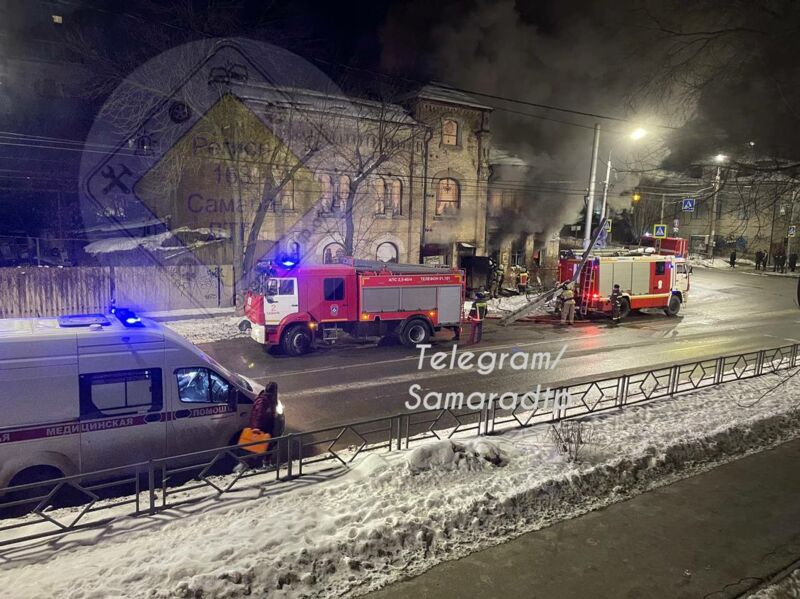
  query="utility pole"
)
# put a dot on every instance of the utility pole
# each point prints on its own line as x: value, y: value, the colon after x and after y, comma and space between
x: 587, y: 231
x: 713, y: 219
x: 663, y: 199
x: 791, y: 222
x: 606, y: 183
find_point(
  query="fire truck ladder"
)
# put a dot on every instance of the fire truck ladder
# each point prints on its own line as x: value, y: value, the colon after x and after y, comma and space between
x: 378, y: 266
x: 541, y: 299
x: 587, y: 284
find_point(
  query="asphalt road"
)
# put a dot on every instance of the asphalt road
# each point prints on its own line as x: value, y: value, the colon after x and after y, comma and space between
x: 727, y: 313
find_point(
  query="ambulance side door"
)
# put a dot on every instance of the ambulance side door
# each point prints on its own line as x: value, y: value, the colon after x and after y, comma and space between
x: 204, y: 410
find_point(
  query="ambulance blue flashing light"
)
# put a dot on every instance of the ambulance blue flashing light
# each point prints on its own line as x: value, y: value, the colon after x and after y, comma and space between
x: 127, y: 317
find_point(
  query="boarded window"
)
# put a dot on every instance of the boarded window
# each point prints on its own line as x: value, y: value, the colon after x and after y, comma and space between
x: 449, y: 132
x: 448, y: 197
x: 397, y: 196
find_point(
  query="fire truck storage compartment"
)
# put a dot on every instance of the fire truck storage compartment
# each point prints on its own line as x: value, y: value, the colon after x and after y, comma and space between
x: 449, y: 304
x: 446, y: 300
x: 640, y: 279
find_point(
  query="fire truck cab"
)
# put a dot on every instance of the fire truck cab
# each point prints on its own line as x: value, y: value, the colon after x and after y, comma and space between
x: 646, y: 280
x: 294, y: 307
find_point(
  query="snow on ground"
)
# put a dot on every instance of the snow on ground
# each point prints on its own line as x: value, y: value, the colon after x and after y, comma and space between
x: 396, y: 514
x: 207, y: 329
x: 788, y: 588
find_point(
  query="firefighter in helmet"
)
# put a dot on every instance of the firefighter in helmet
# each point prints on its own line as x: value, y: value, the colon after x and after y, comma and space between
x: 522, y: 281
x: 616, y: 304
x: 568, y: 304
x: 477, y: 314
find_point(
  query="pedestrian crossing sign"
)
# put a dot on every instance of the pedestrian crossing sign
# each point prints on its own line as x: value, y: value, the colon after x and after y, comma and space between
x: 660, y: 231
x: 688, y: 205
x: 793, y: 231
x: 608, y: 226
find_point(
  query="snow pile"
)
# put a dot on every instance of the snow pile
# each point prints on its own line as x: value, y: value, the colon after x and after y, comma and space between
x: 207, y: 329
x: 788, y: 588
x: 168, y: 240
x: 448, y: 454
x: 396, y: 514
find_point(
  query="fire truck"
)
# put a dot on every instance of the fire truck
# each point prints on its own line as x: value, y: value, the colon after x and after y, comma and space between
x: 646, y: 280
x: 294, y: 307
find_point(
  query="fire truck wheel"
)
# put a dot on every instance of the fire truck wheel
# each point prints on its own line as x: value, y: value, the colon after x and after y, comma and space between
x: 296, y: 341
x: 624, y: 308
x: 673, y: 307
x: 416, y: 331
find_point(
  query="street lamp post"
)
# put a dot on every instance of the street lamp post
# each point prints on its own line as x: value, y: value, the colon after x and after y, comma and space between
x: 719, y: 158
x: 587, y: 229
x: 606, y: 183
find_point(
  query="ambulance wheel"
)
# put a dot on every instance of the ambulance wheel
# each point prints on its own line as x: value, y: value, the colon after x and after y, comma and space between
x: 415, y: 332
x: 624, y: 308
x: 296, y: 341
x: 40, y: 474
x: 673, y: 307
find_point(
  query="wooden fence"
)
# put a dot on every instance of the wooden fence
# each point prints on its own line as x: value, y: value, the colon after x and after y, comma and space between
x: 52, y: 291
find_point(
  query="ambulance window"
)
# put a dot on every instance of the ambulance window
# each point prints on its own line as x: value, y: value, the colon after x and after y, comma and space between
x: 201, y: 385
x: 105, y: 393
x: 661, y: 268
x: 286, y: 287
x: 681, y: 268
x: 334, y: 289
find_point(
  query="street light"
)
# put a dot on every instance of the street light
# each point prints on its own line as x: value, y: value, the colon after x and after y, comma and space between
x: 720, y: 159
x: 638, y: 133
x: 635, y: 135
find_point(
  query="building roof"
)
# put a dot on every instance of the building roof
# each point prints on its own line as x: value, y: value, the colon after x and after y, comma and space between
x: 504, y: 158
x: 440, y: 92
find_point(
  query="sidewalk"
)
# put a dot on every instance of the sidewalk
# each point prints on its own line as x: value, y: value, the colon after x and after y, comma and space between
x: 714, y: 535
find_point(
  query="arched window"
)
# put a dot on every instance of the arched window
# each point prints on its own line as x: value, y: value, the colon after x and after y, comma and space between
x: 387, y: 252
x: 332, y: 253
x: 397, y: 197
x: 380, y: 195
x: 294, y: 250
x: 326, y: 192
x: 342, y: 191
x: 449, y: 132
x: 448, y: 197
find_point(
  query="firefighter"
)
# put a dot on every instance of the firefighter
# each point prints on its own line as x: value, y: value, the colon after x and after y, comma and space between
x: 733, y: 259
x: 568, y: 305
x: 792, y: 261
x: 616, y: 304
x: 479, y: 307
x: 522, y: 282
x: 759, y: 259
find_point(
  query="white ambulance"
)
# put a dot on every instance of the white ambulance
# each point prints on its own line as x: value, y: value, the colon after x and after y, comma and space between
x: 83, y: 393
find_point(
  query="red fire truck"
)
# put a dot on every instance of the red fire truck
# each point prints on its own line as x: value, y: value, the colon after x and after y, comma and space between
x: 646, y: 280
x: 295, y: 306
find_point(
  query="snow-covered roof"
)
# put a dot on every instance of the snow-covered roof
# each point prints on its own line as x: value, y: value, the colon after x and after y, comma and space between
x: 179, y: 238
x: 441, y: 92
x: 124, y: 225
x: 333, y: 102
x: 504, y: 158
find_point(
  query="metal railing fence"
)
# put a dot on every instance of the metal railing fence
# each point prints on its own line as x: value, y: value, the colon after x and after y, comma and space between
x: 160, y: 484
